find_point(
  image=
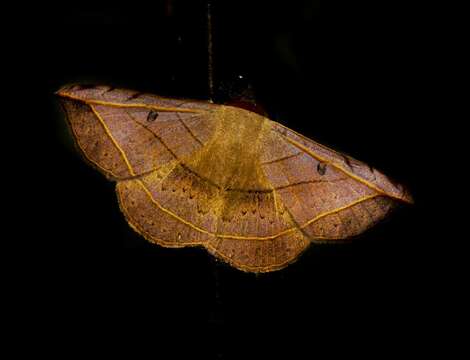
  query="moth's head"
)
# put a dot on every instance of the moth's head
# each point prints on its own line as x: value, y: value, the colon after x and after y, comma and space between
x: 239, y: 93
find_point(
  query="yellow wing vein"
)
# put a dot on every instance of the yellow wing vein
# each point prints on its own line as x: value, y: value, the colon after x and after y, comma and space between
x: 110, y: 135
x: 355, y: 177
x: 133, y: 105
x: 207, y: 245
x: 240, y: 237
x: 84, y: 153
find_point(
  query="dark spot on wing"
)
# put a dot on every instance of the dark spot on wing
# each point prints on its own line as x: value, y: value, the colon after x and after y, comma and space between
x: 152, y: 115
x: 321, y: 168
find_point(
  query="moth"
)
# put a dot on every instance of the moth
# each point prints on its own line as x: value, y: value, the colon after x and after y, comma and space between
x: 251, y: 191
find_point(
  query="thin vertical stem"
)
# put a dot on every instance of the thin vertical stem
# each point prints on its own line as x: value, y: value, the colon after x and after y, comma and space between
x: 210, y: 70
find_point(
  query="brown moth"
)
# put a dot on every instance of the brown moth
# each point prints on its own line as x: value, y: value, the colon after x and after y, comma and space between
x: 251, y: 191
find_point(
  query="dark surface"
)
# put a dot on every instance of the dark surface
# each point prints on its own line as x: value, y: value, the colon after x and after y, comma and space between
x: 350, y: 78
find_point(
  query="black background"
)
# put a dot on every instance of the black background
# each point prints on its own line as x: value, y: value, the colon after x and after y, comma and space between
x: 349, y: 76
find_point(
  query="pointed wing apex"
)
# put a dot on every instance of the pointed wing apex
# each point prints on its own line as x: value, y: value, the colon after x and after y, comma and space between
x: 108, y: 95
x: 351, y: 167
x: 124, y: 133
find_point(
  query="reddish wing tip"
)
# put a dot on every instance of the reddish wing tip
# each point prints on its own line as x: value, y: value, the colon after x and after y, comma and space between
x: 407, y: 197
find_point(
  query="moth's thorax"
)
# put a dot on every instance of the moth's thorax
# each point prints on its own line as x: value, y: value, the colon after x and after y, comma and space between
x: 231, y: 158
x: 243, y: 126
